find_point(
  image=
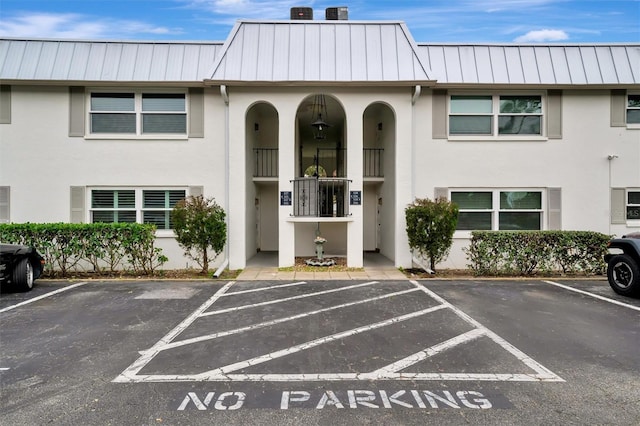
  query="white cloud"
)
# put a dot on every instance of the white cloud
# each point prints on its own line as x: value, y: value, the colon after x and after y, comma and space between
x: 542, y: 35
x: 74, y: 26
x: 258, y: 9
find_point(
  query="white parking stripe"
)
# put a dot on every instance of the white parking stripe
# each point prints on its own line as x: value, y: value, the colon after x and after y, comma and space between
x: 35, y: 299
x: 543, y: 373
x: 149, y: 354
x: 280, y: 320
x: 429, y: 352
x: 253, y: 290
x: 222, y: 371
x: 287, y: 299
x: 596, y: 296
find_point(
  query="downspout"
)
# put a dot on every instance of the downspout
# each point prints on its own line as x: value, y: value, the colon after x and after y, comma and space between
x: 225, y: 98
x: 414, y: 98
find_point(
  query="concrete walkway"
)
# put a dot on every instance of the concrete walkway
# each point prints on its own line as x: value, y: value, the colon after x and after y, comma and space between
x: 263, y: 266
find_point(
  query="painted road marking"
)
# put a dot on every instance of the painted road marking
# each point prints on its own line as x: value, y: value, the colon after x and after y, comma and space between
x: 596, y: 296
x: 35, y: 299
x: 253, y: 290
x: 288, y: 299
x: 393, y: 371
x: 281, y: 320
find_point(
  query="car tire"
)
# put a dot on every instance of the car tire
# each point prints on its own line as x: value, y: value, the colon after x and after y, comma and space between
x: 623, y: 274
x: 23, y: 275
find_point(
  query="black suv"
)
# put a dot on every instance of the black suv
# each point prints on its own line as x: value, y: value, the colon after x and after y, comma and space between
x: 623, y: 264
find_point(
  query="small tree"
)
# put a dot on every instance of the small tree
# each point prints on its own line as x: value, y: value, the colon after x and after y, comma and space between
x: 199, y: 226
x: 430, y: 228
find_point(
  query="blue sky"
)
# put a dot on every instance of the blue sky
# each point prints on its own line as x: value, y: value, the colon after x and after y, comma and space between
x: 500, y: 21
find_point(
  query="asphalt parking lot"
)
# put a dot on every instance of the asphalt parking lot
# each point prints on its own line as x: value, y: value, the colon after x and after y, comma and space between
x: 320, y: 352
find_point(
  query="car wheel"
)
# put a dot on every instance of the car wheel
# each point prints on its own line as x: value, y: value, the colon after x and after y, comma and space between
x: 623, y: 274
x: 23, y: 275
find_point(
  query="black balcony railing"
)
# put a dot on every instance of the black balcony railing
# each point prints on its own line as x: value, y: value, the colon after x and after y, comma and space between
x: 266, y: 162
x: 332, y: 160
x: 372, y: 162
x: 321, y: 197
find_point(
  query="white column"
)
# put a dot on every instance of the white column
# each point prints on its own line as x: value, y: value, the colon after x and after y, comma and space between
x: 286, y: 173
x: 355, y: 228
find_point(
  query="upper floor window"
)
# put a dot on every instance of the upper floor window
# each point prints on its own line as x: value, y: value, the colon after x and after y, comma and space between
x: 134, y: 113
x: 633, y: 109
x: 484, y: 210
x: 495, y: 115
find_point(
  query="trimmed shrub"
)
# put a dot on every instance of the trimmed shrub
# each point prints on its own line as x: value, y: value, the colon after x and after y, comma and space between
x: 199, y: 224
x: 532, y: 252
x: 68, y: 247
x: 430, y: 228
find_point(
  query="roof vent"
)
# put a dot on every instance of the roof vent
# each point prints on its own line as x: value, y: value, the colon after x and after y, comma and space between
x: 336, y: 13
x: 302, y: 13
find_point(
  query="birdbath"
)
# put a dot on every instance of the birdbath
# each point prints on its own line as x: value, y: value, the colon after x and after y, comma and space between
x: 319, y: 241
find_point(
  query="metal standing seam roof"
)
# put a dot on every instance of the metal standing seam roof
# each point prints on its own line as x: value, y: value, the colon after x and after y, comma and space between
x: 317, y: 52
x: 617, y: 64
x: 106, y: 61
x: 320, y: 52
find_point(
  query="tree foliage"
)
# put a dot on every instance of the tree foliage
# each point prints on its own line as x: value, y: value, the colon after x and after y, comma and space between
x: 199, y: 224
x: 430, y: 228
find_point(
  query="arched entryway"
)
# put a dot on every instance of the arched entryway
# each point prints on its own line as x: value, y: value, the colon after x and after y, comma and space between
x: 379, y: 133
x: 262, y: 143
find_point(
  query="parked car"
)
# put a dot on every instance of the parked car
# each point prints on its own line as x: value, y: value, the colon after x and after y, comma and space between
x: 20, y: 266
x: 623, y: 264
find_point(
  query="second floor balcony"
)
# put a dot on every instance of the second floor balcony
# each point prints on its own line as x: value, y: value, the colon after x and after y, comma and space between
x: 265, y: 162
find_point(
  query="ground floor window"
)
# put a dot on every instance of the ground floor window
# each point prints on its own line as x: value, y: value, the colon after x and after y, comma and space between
x: 505, y: 210
x: 633, y: 205
x: 139, y: 205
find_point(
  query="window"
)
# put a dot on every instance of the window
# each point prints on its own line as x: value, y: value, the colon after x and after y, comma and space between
x: 633, y: 205
x: 135, y: 205
x: 495, y: 115
x: 138, y: 113
x: 498, y: 210
x: 157, y: 205
x: 633, y: 109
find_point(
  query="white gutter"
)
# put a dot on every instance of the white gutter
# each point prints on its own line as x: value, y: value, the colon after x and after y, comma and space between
x: 416, y: 94
x: 419, y: 263
x: 222, y: 267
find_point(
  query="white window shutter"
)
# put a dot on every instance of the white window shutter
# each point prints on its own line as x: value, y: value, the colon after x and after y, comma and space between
x: 554, y: 114
x: 77, y: 204
x: 5, y: 104
x: 439, y: 114
x: 196, y: 191
x: 618, y: 206
x: 441, y: 193
x: 196, y: 113
x: 618, y: 108
x: 554, y: 207
x: 76, y: 111
x: 5, y: 210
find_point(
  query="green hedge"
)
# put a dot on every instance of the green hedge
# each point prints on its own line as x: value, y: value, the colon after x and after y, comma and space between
x: 532, y: 252
x: 100, y: 247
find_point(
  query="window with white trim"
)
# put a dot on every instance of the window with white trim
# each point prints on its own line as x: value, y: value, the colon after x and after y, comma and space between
x: 633, y: 109
x: 135, y: 205
x: 137, y: 113
x: 504, y: 210
x: 633, y: 205
x: 495, y: 115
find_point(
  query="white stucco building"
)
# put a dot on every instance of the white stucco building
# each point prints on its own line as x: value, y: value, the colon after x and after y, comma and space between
x: 520, y: 136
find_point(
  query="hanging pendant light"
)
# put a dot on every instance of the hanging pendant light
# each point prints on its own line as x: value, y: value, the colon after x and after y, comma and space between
x: 319, y: 115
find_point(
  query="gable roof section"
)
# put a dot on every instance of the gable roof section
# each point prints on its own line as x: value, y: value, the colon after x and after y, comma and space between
x: 105, y: 61
x: 617, y: 64
x: 318, y: 52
